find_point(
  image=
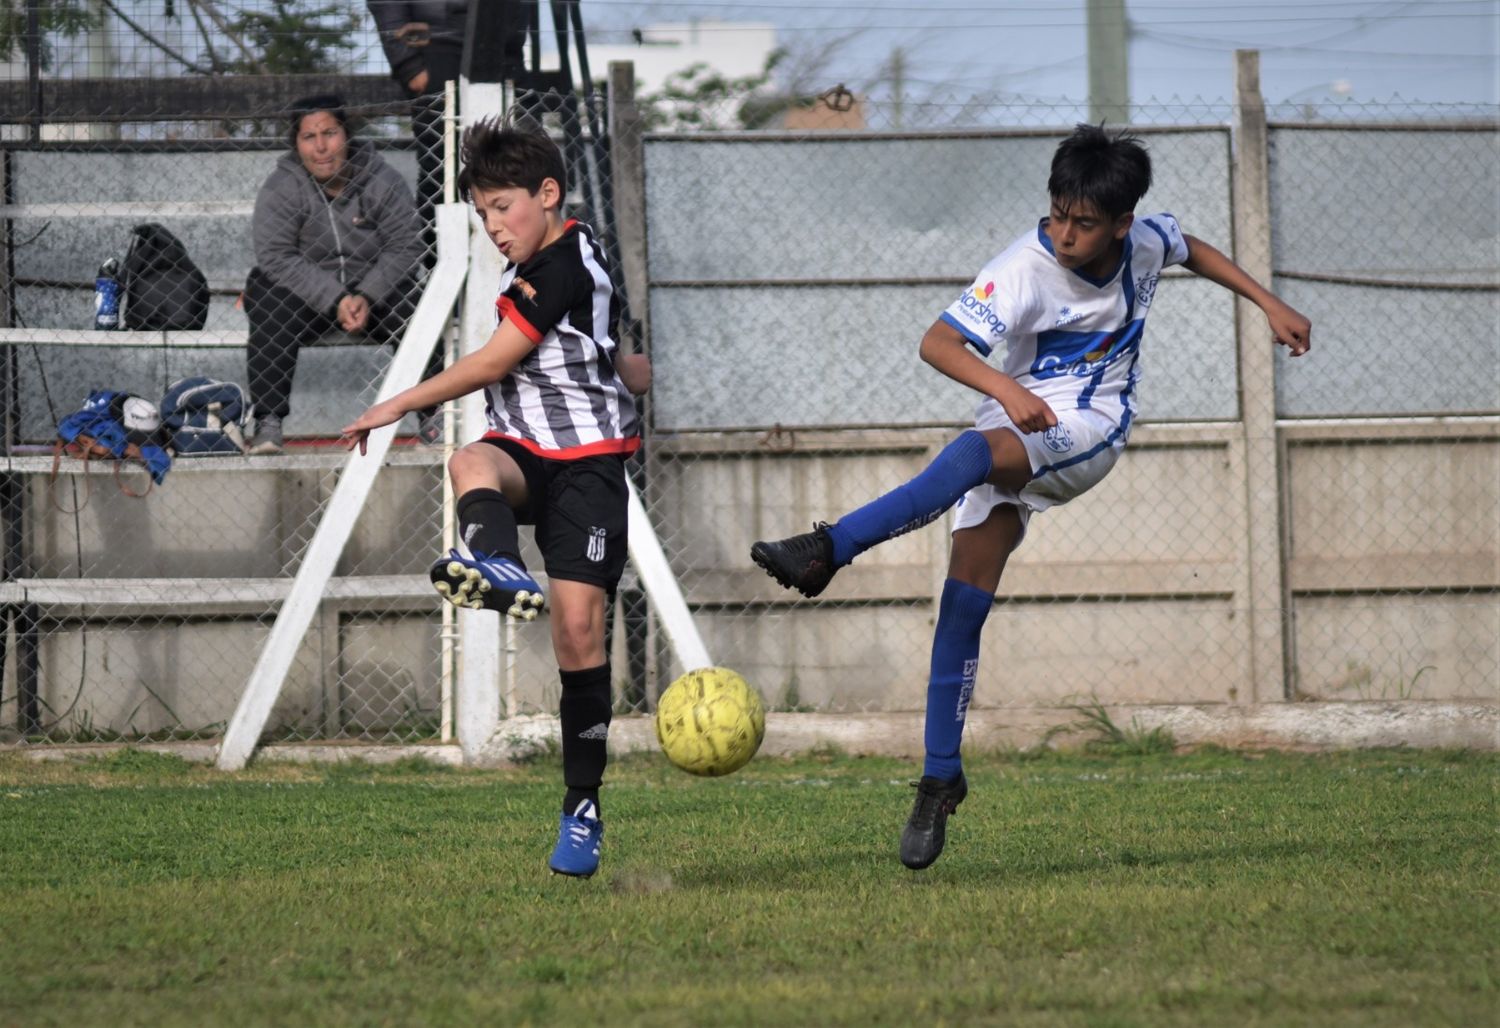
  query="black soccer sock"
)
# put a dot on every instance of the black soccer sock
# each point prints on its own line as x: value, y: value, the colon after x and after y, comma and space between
x: 488, y: 524
x: 585, y: 711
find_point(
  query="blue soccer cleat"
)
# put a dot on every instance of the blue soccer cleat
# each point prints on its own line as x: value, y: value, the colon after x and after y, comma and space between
x: 577, y: 850
x: 487, y: 583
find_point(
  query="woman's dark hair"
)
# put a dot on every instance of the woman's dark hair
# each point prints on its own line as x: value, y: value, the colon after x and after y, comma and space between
x: 300, y: 109
x: 1110, y: 172
x: 496, y: 157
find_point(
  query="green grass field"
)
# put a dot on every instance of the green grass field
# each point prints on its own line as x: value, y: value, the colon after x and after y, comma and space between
x: 1211, y: 888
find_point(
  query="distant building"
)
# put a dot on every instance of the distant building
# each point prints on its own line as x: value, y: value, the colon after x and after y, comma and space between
x: 735, y: 50
x: 821, y: 117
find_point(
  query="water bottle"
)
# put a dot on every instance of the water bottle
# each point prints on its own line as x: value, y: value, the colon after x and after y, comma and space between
x: 107, y: 295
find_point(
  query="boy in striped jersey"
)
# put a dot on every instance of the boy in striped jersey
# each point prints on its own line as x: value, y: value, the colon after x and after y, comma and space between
x: 1062, y: 310
x: 562, y: 421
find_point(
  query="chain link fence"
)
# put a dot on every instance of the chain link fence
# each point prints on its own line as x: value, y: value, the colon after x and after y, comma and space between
x: 1277, y: 530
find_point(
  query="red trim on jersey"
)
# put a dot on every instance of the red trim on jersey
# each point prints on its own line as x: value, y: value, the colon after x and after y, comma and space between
x: 507, y: 308
x: 624, y: 447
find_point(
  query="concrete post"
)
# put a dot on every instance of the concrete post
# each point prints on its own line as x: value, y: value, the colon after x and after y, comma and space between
x: 628, y: 164
x: 1262, y: 594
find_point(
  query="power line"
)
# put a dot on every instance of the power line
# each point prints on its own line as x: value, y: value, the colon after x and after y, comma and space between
x: 998, y: 8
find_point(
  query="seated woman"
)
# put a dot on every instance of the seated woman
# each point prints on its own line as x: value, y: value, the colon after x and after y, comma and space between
x: 337, y: 246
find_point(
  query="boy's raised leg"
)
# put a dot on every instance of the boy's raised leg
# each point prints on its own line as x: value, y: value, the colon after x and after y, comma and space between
x: 808, y: 562
x: 494, y: 578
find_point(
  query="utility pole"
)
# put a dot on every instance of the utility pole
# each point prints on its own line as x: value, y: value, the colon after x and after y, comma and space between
x: 101, y: 61
x: 898, y: 86
x: 1109, y: 65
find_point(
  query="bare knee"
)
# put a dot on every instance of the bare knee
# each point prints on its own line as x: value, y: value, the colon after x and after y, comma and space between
x: 472, y: 468
x: 577, y: 640
x: 1010, y: 464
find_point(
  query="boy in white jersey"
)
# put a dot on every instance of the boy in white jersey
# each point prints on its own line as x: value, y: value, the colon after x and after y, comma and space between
x: 562, y: 422
x: 1062, y: 309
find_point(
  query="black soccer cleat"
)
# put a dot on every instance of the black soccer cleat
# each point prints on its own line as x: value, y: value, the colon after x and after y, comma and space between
x: 926, y: 830
x: 801, y: 562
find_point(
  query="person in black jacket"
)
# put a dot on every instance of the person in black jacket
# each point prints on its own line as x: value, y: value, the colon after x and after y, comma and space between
x: 424, y: 43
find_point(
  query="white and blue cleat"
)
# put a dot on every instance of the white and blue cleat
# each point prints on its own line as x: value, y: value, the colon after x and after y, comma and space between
x: 578, y: 839
x: 488, y: 583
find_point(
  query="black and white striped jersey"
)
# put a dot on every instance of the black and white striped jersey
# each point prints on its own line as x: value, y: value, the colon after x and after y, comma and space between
x: 565, y: 399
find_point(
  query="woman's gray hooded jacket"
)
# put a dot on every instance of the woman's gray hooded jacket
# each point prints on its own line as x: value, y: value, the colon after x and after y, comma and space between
x: 368, y: 239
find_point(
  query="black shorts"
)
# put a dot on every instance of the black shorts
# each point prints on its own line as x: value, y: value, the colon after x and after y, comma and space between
x: 579, y: 508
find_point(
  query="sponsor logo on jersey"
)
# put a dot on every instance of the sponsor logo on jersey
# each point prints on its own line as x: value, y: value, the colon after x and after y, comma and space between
x: 1068, y: 315
x: 526, y: 288
x: 1082, y: 354
x: 975, y: 303
x: 1057, y: 439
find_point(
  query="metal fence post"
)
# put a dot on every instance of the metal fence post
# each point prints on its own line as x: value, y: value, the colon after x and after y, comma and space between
x: 627, y: 168
x: 1263, y: 584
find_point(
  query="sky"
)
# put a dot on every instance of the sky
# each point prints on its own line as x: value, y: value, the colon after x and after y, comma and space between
x: 1358, y: 51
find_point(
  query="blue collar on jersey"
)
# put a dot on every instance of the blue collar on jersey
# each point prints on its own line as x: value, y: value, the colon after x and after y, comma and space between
x: 1100, y: 283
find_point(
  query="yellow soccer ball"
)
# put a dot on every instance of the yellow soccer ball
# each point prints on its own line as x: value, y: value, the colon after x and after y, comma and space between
x: 710, y: 722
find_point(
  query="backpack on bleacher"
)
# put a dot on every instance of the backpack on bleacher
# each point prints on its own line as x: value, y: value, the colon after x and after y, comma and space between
x: 163, y: 287
x: 204, y: 416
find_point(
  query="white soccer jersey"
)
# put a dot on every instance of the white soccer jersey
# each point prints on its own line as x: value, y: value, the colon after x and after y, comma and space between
x: 1072, y: 339
x: 564, y: 399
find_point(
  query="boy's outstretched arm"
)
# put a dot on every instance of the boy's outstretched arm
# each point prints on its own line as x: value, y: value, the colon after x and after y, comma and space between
x: 487, y: 365
x: 1288, y: 327
x: 945, y: 349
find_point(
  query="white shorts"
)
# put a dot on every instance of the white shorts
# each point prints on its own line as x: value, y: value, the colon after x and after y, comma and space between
x: 1066, y: 461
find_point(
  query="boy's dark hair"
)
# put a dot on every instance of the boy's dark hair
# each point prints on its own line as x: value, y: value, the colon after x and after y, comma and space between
x: 496, y: 157
x: 301, y: 108
x: 1111, y: 173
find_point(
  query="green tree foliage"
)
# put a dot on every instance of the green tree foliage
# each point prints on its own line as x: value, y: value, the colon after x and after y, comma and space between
x: 289, y: 38
x: 698, y: 97
x: 61, y: 17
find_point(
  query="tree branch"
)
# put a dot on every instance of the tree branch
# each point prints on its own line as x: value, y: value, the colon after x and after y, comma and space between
x: 148, y: 37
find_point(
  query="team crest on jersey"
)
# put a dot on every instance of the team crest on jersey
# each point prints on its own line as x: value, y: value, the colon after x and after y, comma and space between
x: 1145, y: 289
x: 1057, y: 439
x: 526, y: 288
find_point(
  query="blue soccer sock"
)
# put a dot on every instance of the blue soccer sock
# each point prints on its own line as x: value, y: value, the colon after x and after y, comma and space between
x: 963, y: 464
x: 955, y: 661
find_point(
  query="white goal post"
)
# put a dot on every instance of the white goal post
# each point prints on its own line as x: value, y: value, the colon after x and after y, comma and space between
x: 463, y: 256
x: 423, y: 332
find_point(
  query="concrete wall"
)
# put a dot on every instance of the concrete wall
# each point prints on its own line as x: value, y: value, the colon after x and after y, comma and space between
x: 790, y: 281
